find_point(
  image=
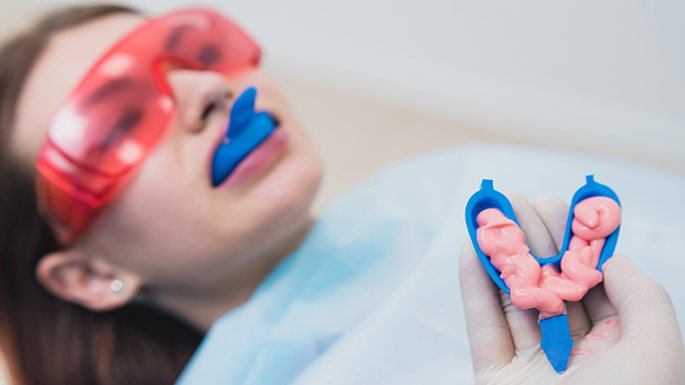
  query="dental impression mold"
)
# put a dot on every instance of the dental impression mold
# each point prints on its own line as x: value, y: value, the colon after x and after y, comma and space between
x: 247, y: 129
x: 545, y: 283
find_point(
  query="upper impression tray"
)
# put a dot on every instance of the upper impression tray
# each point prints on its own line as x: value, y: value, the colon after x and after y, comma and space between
x: 247, y: 129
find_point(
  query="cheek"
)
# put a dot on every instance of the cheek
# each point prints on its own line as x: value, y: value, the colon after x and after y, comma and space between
x: 160, y: 210
x: 286, y: 197
x: 169, y: 224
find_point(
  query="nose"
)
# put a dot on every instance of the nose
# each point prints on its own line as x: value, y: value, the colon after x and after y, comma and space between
x: 198, y: 95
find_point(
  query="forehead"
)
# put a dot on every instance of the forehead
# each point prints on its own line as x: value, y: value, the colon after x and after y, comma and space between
x: 67, y: 58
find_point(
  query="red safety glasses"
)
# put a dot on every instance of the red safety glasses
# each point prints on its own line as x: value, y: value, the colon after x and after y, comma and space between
x: 112, y: 120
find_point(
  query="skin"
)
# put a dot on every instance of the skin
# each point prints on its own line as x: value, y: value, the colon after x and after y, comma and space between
x: 189, y: 248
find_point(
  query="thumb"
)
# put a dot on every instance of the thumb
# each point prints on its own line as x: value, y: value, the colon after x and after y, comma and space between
x: 643, y: 305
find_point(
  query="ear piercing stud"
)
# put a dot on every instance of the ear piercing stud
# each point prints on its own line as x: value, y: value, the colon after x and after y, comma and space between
x: 117, y: 286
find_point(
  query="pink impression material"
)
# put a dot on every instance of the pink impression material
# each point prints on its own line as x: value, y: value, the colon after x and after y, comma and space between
x: 545, y: 288
x: 608, y: 331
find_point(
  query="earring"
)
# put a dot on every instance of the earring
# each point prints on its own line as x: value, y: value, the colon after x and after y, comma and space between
x: 117, y: 286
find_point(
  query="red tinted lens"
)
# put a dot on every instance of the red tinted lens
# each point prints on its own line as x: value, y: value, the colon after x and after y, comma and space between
x: 115, y: 116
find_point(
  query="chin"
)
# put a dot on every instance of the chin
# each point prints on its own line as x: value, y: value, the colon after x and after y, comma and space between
x: 295, y: 185
x: 285, y: 197
x: 278, y: 202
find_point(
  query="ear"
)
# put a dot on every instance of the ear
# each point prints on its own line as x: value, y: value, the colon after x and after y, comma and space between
x: 89, y: 282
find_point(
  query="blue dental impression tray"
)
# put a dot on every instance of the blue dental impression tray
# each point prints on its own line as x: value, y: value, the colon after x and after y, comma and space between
x: 247, y: 129
x: 556, y: 335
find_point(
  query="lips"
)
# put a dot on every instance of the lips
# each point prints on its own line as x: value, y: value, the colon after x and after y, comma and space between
x: 247, y: 130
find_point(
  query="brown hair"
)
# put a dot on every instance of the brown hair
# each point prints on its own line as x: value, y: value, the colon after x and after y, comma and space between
x: 46, y: 340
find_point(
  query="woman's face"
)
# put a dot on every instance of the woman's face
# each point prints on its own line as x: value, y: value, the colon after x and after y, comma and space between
x: 169, y: 225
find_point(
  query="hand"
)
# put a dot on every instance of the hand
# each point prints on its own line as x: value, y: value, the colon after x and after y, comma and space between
x: 625, y: 330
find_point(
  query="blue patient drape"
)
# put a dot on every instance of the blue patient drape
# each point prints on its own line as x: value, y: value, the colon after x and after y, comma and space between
x: 372, y: 295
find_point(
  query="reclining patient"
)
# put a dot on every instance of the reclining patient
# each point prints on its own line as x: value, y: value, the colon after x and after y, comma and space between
x: 156, y: 228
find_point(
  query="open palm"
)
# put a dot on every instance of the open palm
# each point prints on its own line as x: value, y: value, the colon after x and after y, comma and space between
x: 625, y: 330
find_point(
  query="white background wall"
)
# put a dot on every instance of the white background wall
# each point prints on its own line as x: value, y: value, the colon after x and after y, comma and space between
x: 611, y: 71
x: 581, y: 74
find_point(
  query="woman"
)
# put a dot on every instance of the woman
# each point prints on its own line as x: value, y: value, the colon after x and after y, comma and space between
x: 128, y: 299
x: 237, y: 235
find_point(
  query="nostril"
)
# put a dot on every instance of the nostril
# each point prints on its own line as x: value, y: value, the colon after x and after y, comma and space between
x: 219, y: 102
x: 209, y: 108
x: 277, y: 121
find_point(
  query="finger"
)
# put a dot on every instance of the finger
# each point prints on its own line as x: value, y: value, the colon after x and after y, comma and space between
x: 489, y: 337
x: 644, y: 307
x: 598, y: 306
x: 554, y: 213
x: 524, y: 323
x: 537, y: 236
x: 649, y: 329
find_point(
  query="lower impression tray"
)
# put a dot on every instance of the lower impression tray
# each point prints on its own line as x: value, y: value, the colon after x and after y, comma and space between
x: 545, y: 283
